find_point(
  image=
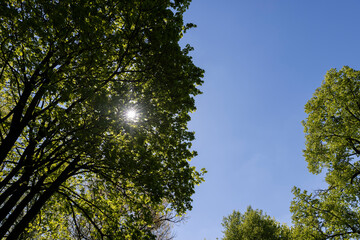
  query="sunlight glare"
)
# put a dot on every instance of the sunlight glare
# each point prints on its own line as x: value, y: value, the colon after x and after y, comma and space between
x: 131, y: 114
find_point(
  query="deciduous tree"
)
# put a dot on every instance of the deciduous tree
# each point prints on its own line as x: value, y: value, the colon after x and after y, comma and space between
x: 253, y: 225
x: 332, y: 145
x: 69, y: 156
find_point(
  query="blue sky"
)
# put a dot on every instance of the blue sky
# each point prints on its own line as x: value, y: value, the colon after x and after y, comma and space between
x: 263, y: 61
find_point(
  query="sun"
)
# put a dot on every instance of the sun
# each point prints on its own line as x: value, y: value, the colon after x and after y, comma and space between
x: 131, y: 114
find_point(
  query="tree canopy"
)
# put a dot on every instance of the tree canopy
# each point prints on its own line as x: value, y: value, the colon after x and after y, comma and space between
x: 69, y: 156
x: 332, y: 145
x: 253, y: 225
x: 332, y: 131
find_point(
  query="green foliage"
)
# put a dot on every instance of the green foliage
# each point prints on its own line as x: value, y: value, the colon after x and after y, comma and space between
x: 253, y: 225
x: 69, y: 157
x: 332, y: 145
